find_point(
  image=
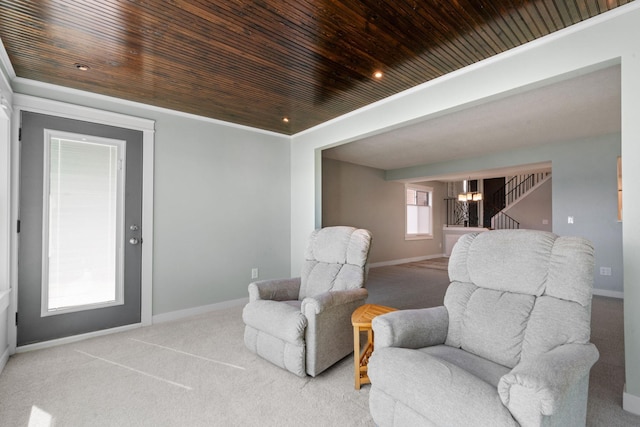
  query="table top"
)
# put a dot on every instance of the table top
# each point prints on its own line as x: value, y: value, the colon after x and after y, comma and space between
x: 363, y: 315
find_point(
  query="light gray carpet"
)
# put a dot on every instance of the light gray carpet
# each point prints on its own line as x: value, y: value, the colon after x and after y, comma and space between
x: 196, y: 372
x: 193, y: 372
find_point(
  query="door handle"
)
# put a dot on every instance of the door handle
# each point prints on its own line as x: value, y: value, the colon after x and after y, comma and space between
x: 134, y: 241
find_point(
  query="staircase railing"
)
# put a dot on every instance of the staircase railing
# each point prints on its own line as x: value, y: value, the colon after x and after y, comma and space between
x: 512, y: 191
x: 457, y: 213
x: 516, y: 187
x: 502, y: 221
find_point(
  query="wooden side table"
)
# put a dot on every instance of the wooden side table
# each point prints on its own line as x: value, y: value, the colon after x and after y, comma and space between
x: 361, y: 321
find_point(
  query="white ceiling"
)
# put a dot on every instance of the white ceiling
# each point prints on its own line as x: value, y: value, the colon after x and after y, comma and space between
x: 580, y: 107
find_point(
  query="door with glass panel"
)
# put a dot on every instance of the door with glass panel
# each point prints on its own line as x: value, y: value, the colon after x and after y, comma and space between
x: 80, y: 227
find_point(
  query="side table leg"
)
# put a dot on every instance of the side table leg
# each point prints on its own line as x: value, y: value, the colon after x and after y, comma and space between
x: 356, y: 355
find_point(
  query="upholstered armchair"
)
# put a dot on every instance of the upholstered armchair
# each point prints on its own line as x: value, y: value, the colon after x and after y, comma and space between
x: 303, y: 324
x: 509, y: 347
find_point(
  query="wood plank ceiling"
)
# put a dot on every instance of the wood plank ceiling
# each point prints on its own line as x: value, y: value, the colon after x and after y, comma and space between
x: 256, y: 62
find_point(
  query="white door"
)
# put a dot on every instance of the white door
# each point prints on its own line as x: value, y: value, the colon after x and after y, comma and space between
x: 80, y: 226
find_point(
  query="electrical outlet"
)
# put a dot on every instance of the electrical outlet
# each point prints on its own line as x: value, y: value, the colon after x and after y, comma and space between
x: 570, y: 220
x: 254, y: 273
x: 605, y: 271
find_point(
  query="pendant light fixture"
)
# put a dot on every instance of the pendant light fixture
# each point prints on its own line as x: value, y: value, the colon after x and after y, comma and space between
x: 468, y: 196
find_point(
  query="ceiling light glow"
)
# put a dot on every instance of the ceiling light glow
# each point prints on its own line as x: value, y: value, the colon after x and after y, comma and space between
x: 377, y: 74
x: 82, y: 67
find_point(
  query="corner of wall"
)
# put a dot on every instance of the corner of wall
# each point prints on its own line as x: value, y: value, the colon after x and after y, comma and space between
x: 630, y: 402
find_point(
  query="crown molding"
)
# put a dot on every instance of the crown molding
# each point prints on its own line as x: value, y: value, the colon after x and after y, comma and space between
x: 20, y: 81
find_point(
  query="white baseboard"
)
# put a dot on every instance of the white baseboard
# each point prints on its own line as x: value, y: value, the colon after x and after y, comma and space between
x: 4, y: 359
x: 630, y: 402
x: 610, y: 294
x: 181, y: 314
x: 75, y: 338
x: 404, y: 260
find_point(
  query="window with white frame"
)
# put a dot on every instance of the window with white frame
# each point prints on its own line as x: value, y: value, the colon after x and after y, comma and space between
x: 419, y: 217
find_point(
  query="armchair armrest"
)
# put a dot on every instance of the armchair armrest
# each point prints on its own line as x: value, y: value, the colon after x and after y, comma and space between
x: 544, y: 382
x: 411, y: 328
x: 319, y: 303
x: 275, y: 290
x: 277, y: 319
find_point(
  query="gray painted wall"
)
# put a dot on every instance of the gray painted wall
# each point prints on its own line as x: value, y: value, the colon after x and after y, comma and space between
x: 360, y: 196
x: 584, y: 186
x: 221, y: 207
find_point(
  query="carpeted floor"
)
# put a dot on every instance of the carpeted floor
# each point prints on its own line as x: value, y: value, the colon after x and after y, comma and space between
x: 196, y: 372
x: 435, y: 263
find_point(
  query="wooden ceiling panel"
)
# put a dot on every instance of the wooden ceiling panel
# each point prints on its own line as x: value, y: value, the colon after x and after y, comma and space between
x: 255, y: 62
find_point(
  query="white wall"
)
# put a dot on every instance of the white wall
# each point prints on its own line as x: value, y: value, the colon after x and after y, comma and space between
x: 606, y: 39
x: 6, y: 97
x: 221, y: 202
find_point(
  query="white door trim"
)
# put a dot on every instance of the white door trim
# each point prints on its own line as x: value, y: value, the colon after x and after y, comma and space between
x: 76, y: 112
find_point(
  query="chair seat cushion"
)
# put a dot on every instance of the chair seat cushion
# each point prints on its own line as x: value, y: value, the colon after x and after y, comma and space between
x: 294, y: 303
x: 277, y: 318
x: 488, y: 371
x: 437, y: 389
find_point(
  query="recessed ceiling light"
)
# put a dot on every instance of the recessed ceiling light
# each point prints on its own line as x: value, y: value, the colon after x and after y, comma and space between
x: 285, y: 119
x: 378, y: 75
x: 82, y: 67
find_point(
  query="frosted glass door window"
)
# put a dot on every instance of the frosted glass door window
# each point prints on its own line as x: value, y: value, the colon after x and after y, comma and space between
x: 83, y: 215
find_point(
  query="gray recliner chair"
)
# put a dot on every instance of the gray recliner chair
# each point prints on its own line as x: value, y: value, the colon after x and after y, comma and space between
x: 509, y: 347
x: 303, y: 324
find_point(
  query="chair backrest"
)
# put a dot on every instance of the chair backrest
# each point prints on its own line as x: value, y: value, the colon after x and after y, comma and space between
x: 335, y: 259
x: 516, y: 294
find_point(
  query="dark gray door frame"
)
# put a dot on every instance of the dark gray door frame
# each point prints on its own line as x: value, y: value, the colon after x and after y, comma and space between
x: 76, y: 112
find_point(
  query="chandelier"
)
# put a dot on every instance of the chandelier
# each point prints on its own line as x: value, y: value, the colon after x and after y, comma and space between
x: 468, y: 196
